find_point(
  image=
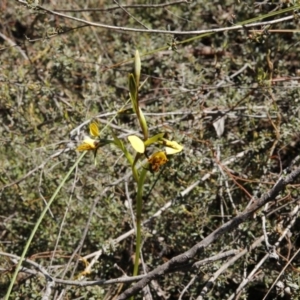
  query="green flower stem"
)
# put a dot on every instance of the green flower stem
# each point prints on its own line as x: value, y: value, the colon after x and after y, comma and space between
x: 37, y: 224
x: 132, y: 163
x: 139, y: 204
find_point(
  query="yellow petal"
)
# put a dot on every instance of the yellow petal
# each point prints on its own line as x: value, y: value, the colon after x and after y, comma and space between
x: 94, y: 129
x: 84, y: 147
x: 88, y: 144
x: 93, y: 143
x: 171, y: 151
x: 137, y: 144
x: 173, y: 147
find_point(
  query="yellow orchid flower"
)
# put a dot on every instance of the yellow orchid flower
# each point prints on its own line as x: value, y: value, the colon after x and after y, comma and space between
x: 156, y: 160
x: 89, y: 143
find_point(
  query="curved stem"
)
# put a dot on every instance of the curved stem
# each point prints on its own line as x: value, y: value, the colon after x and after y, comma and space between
x: 37, y: 224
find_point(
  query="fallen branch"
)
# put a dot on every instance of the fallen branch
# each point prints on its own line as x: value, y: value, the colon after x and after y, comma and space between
x: 231, y: 225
